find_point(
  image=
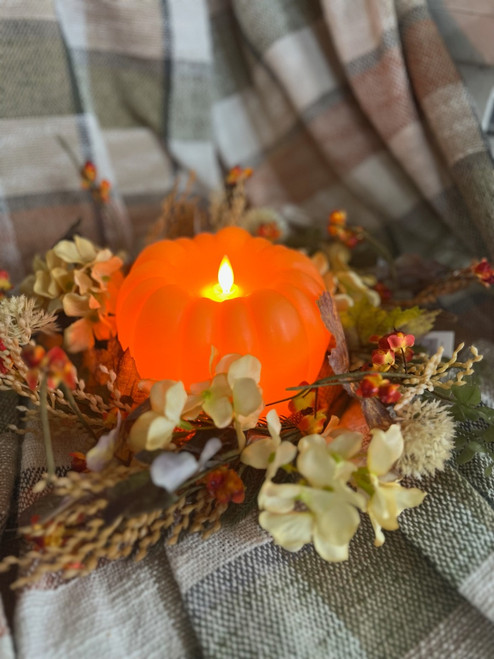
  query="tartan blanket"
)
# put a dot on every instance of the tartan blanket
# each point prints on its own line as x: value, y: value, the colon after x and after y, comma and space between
x: 427, y: 592
x: 337, y: 103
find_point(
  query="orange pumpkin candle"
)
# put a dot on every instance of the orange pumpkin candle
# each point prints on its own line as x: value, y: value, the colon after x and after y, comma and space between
x: 171, y: 309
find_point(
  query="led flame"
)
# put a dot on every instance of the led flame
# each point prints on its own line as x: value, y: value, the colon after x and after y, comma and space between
x: 225, y: 276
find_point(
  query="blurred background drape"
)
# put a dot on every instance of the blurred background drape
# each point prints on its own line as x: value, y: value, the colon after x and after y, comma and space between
x: 382, y: 107
x: 335, y: 103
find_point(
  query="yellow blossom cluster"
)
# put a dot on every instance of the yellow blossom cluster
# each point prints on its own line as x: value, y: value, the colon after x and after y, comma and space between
x: 334, y: 483
x: 83, y: 280
x: 345, y: 284
x: 233, y: 396
x: 427, y: 373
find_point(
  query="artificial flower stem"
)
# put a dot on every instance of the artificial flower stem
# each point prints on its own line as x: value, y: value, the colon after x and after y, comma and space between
x: 282, y: 400
x: 228, y: 458
x: 45, y: 425
x: 345, y: 378
x: 75, y: 408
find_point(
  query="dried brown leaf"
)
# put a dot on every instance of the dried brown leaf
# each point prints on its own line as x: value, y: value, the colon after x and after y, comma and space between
x: 128, y: 379
x: 338, y: 355
x: 375, y: 413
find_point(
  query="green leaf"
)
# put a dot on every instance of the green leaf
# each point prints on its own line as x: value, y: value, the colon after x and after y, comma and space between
x: 487, y: 435
x: 488, y: 469
x: 486, y: 413
x: 460, y: 442
x: 467, y: 454
x: 464, y: 413
x: 185, y: 425
x: 457, y: 412
x: 369, y: 320
x: 468, y: 395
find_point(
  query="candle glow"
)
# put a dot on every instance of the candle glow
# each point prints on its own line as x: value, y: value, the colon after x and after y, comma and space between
x: 225, y: 289
x: 175, y: 305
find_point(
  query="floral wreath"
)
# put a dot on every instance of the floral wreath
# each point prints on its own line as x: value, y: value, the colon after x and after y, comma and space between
x: 166, y: 461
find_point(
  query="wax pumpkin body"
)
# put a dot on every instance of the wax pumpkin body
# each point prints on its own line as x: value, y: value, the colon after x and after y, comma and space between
x: 169, y: 326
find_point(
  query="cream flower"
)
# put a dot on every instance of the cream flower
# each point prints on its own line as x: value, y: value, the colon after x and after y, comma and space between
x: 170, y: 470
x: 352, y: 288
x: 83, y: 280
x: 387, y: 498
x: 154, y: 429
x: 267, y: 223
x: 324, y: 510
x: 428, y: 431
x: 50, y: 281
x: 232, y: 395
x: 261, y: 448
x: 80, y: 250
x: 101, y: 455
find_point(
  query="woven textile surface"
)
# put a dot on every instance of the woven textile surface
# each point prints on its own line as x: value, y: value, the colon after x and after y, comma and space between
x: 427, y: 592
x: 335, y: 103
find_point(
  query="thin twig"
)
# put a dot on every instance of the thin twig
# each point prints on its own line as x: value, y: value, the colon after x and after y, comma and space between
x: 45, y: 424
x: 75, y: 408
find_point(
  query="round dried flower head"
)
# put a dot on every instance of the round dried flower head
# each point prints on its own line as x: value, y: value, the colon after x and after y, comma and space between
x: 428, y: 431
x: 266, y: 223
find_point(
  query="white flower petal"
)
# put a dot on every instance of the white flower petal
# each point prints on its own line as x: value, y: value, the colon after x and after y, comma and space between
x: 219, y: 386
x: 257, y: 454
x: 408, y: 498
x: 346, y: 443
x: 329, y: 552
x: 220, y: 410
x: 338, y: 524
x: 150, y: 431
x: 278, y: 498
x: 247, y: 397
x: 175, y: 401
x: 274, y: 423
x: 384, y: 449
x: 245, y: 367
x: 192, y: 407
x: 382, y: 508
x: 52, y: 261
x: 291, y: 531
x: 210, y: 449
x: 320, y: 501
x: 103, y: 255
x: 101, y: 455
x: 387, y: 502
x: 314, y: 462
x: 379, y: 535
x: 159, y: 433
x: 85, y: 248
x: 168, y: 398
x: 225, y: 362
x: 285, y: 453
x: 170, y: 470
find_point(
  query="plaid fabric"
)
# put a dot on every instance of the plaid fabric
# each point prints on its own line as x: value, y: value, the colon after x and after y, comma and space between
x: 428, y: 592
x: 335, y: 103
